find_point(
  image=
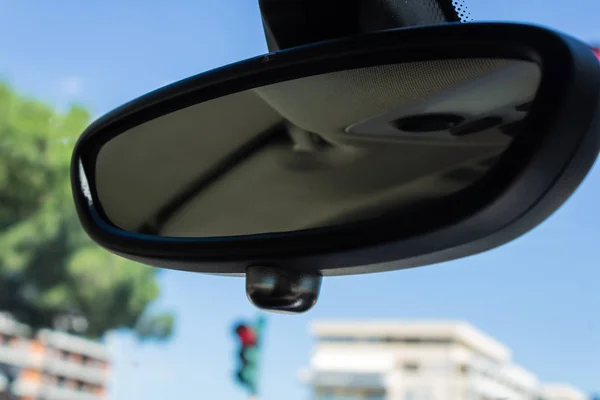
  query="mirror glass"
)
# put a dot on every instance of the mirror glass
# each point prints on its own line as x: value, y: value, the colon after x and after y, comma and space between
x: 317, y: 151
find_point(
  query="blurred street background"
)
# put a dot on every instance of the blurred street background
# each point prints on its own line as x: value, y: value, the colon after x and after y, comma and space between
x: 77, y: 323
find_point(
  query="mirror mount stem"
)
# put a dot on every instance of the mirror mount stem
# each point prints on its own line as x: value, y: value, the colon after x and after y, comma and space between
x: 291, y: 23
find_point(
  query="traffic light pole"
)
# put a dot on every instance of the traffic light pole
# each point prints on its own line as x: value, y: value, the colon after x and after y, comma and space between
x: 259, y: 328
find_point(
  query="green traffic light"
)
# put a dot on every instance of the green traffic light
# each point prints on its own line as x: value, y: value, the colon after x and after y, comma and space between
x: 248, y: 377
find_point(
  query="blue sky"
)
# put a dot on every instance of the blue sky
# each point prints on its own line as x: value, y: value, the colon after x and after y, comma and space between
x: 540, y: 295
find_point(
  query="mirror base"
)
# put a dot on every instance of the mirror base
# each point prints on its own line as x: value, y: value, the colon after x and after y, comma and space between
x: 292, y: 23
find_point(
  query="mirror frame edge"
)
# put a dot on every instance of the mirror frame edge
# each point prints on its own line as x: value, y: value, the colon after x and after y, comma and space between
x: 177, y: 254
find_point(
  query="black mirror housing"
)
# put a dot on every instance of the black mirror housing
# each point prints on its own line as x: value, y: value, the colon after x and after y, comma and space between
x: 537, y: 174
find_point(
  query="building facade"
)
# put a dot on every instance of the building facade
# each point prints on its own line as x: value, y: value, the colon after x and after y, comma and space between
x: 419, y: 361
x: 51, y: 366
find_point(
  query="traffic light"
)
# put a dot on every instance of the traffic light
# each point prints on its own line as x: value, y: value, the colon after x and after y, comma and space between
x: 247, y: 374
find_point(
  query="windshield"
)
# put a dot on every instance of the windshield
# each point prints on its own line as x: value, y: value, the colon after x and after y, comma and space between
x: 517, y: 322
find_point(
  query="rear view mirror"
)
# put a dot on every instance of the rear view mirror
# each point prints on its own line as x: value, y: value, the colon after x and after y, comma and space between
x: 384, y: 151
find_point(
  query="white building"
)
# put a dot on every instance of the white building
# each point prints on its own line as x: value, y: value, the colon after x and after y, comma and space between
x: 419, y: 361
x: 51, y: 365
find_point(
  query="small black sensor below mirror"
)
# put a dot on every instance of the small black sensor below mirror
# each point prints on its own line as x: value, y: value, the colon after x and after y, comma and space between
x: 428, y: 122
x: 282, y: 290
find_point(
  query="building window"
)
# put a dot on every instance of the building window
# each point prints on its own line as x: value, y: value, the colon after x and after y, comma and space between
x: 61, y: 381
x: 80, y: 386
x: 419, y: 393
x: 411, y: 367
x: 419, y: 340
x: 387, y: 339
x: 75, y: 357
x: 348, y: 393
x: 341, y: 339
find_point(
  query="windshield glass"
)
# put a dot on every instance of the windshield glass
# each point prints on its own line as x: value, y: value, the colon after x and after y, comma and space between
x: 517, y: 322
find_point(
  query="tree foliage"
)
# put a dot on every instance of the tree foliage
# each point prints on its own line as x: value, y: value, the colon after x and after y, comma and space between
x: 50, y: 272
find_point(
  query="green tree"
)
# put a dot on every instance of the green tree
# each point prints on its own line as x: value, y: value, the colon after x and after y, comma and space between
x: 51, y: 273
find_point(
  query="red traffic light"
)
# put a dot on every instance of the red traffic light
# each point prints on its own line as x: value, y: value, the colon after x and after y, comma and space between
x: 246, y: 334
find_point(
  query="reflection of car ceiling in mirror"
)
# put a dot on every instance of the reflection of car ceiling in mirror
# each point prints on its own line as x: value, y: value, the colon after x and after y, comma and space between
x: 316, y: 151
